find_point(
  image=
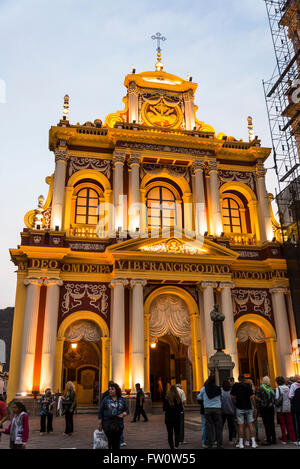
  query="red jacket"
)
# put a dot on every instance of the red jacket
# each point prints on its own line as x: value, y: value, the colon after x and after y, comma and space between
x: 3, y: 411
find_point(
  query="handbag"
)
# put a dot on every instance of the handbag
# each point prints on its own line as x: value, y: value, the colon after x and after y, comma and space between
x: 100, y: 440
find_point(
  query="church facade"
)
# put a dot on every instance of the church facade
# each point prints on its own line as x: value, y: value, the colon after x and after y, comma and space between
x: 151, y: 219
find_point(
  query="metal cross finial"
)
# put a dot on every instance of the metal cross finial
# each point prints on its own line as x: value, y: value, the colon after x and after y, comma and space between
x: 158, y: 37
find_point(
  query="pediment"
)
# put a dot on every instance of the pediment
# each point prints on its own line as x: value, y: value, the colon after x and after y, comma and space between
x: 172, y: 246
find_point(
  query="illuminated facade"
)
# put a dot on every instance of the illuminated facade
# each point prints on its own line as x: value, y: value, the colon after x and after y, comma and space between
x: 150, y: 219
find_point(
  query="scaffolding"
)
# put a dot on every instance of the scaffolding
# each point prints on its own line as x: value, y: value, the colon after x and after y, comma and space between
x: 282, y: 94
x: 284, y: 113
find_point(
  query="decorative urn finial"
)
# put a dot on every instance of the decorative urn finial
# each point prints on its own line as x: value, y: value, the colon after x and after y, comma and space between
x: 66, y: 107
x: 250, y: 129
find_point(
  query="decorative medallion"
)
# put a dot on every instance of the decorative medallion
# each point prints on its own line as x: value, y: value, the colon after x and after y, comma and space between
x: 161, y: 113
x: 37, y: 239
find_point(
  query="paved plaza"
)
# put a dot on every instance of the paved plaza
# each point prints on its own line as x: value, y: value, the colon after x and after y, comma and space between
x: 140, y: 435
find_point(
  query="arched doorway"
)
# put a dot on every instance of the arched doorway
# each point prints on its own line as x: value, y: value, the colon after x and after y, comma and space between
x: 169, y: 365
x: 252, y: 352
x: 170, y: 345
x: 82, y: 360
x: 83, y: 355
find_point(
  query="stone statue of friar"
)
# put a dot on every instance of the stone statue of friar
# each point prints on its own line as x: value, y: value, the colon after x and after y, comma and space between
x: 218, y: 317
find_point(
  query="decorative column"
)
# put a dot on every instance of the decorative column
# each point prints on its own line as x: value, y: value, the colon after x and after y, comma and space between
x: 282, y: 331
x: 29, y: 334
x: 229, y: 330
x: 187, y: 198
x: 189, y: 110
x: 118, y: 332
x: 118, y: 191
x: 178, y: 210
x: 209, y: 302
x: 254, y: 218
x: 291, y: 316
x: 272, y: 357
x: 58, y: 364
x: 61, y: 156
x: 215, y: 215
x: 137, y: 333
x: 105, y: 349
x: 196, y: 349
x: 200, y: 212
x: 106, y: 228
x: 267, y: 233
x: 143, y: 215
x: 17, y: 333
x: 147, y: 352
x: 134, y: 194
x: 133, y: 102
x: 50, y: 333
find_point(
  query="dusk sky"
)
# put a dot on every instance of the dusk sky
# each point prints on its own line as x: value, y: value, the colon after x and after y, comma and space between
x: 52, y: 47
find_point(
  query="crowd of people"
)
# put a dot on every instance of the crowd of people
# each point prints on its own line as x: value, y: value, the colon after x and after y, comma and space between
x: 237, y: 404
x: 240, y: 404
x: 18, y: 430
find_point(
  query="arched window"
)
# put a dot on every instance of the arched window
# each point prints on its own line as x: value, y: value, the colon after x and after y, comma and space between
x: 232, y: 222
x: 86, y: 207
x: 161, y: 208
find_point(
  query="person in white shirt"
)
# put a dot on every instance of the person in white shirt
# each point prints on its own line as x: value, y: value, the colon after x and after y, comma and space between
x: 183, y: 400
x: 284, y: 414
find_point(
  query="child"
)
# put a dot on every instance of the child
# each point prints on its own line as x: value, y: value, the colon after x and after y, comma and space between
x: 19, y: 428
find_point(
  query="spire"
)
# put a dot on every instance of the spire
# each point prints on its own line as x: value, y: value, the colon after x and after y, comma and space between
x: 159, y: 66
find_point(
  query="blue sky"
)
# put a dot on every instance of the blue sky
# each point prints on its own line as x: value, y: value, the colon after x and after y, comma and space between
x: 52, y: 47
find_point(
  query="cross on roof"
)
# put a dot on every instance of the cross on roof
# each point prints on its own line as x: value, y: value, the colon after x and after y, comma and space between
x: 158, y: 37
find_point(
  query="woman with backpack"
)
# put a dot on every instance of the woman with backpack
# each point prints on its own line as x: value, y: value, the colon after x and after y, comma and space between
x: 284, y: 414
x: 266, y: 402
x: 113, y: 409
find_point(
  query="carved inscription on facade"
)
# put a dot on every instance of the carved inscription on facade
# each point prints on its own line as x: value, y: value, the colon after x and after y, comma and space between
x: 175, y: 267
x: 53, y: 264
x: 249, y: 275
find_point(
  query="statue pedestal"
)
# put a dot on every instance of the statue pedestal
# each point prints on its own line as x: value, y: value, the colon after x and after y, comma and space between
x: 221, y: 365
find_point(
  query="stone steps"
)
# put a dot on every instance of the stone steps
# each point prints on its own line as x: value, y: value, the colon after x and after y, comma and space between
x: 87, y: 410
x: 156, y: 409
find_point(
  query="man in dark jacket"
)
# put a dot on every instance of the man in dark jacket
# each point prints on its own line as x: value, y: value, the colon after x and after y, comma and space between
x: 139, y: 406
